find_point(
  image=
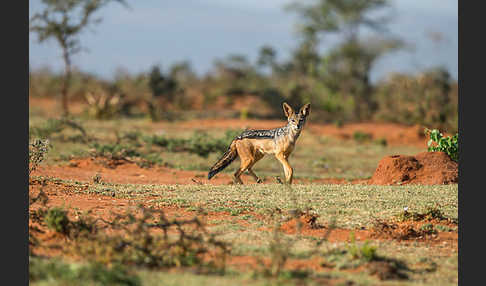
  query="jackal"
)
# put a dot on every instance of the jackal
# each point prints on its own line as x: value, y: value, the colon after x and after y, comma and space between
x: 252, y: 145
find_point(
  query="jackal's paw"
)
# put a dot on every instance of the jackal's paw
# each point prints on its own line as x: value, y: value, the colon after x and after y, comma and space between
x: 259, y: 181
x: 278, y: 180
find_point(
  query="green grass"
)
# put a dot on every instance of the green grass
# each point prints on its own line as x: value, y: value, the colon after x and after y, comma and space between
x: 350, y: 205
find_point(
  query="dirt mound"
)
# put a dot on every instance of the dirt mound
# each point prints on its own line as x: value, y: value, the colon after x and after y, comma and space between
x: 427, y: 168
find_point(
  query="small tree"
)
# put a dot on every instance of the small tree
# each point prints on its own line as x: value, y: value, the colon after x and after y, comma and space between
x: 64, y: 20
x: 346, y: 68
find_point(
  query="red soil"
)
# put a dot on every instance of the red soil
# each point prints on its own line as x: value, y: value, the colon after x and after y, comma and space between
x: 103, y: 206
x: 427, y: 168
x: 402, y: 231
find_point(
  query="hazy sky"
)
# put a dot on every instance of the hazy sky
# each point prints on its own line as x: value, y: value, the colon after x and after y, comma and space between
x: 165, y: 32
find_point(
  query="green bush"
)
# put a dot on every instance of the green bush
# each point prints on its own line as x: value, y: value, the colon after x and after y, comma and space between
x: 447, y: 144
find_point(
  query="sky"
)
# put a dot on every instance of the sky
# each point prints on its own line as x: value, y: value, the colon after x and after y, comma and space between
x: 161, y: 32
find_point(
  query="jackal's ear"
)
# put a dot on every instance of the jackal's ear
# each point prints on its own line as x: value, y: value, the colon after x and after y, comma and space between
x: 288, y: 111
x: 304, y: 110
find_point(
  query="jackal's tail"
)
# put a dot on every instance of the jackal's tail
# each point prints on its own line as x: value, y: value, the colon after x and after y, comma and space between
x: 228, y: 157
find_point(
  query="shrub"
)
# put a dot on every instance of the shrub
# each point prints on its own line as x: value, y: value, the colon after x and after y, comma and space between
x: 37, y: 153
x: 448, y: 144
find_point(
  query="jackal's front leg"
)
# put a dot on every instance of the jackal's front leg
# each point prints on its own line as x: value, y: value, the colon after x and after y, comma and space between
x: 289, y: 172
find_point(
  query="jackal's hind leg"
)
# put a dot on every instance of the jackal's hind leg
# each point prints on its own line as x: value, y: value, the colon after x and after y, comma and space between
x: 245, y: 164
x: 258, y: 180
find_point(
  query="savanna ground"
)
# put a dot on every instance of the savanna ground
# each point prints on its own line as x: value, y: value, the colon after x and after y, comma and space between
x: 330, y: 227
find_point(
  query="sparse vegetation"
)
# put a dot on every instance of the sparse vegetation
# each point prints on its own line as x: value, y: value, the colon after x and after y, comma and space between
x: 137, y: 237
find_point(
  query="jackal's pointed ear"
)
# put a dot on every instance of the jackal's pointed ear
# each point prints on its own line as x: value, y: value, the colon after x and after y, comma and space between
x: 288, y: 111
x: 304, y: 110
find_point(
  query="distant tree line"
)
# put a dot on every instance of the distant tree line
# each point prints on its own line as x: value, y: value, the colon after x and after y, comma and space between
x: 336, y: 82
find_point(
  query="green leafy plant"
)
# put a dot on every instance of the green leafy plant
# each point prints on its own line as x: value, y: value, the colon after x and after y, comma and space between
x: 448, y: 144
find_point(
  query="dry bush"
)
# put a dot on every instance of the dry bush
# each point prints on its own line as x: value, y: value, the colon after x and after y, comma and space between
x: 147, y: 238
x: 38, y: 149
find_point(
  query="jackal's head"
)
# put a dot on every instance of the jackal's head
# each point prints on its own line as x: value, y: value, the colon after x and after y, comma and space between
x: 296, y: 120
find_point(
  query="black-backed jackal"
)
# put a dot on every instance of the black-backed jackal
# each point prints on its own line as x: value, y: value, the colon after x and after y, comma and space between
x: 252, y: 145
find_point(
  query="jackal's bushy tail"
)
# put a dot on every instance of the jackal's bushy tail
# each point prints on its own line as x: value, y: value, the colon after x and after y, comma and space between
x: 228, y: 157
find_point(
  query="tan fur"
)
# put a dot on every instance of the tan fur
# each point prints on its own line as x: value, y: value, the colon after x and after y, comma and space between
x: 251, y: 150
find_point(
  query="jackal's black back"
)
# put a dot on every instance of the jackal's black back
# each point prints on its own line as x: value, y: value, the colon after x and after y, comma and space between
x: 257, y: 134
